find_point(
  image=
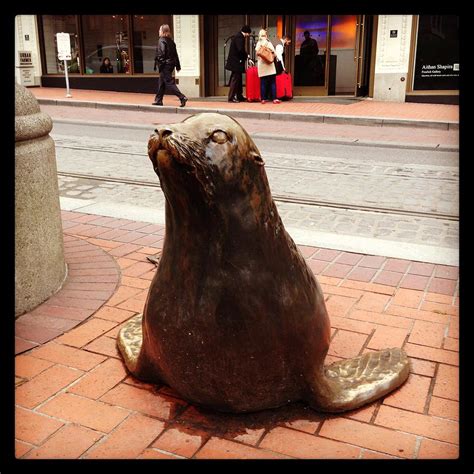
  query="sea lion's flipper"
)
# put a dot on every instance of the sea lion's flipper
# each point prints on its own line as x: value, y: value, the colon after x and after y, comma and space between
x: 129, y: 341
x: 356, y: 382
x: 154, y: 258
x: 130, y: 344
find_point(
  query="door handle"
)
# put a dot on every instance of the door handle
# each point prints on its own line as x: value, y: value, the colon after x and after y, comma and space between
x: 356, y: 50
x: 361, y: 53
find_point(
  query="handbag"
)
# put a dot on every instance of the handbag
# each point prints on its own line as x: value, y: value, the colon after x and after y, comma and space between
x: 266, y: 54
x: 278, y: 66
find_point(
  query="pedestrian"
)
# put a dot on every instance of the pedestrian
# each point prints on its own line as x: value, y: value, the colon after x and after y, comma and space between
x: 167, y: 60
x: 236, y: 63
x: 266, y: 70
x: 106, y: 67
x: 280, y: 53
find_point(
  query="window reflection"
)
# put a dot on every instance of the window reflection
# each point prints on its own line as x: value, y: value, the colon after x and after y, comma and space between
x: 106, y: 36
x: 310, y: 50
x: 145, y: 40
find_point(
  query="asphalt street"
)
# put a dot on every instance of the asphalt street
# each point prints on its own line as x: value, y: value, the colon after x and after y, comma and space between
x: 391, y: 201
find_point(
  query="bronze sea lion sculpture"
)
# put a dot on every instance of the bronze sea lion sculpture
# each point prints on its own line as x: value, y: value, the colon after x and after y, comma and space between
x: 235, y: 320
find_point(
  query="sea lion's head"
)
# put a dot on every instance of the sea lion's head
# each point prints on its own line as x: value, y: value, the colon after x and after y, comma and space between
x: 207, y: 155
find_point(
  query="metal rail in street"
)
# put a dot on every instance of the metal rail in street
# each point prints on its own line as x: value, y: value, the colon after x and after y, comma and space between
x: 398, y: 173
x: 308, y: 201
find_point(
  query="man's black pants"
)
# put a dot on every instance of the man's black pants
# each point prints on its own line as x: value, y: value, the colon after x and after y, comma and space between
x: 167, y: 85
x: 235, y: 85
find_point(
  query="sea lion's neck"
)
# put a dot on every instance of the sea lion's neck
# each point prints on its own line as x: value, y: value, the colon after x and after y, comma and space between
x: 245, y: 217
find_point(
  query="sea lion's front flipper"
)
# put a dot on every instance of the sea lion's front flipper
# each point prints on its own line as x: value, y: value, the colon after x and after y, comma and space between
x: 356, y: 382
x: 129, y: 341
x: 130, y: 344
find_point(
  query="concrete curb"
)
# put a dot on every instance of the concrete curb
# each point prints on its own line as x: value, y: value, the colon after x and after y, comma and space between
x: 315, y: 118
x: 357, y: 141
x: 274, y: 136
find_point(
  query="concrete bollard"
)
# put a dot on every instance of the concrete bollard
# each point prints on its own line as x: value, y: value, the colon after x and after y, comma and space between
x: 40, y: 268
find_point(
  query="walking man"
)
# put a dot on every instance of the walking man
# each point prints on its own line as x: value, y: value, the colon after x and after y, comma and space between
x: 167, y: 59
x: 236, y: 63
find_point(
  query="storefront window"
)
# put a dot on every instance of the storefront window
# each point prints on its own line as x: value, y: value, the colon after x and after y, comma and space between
x: 106, y: 36
x: 53, y: 24
x: 145, y: 40
x: 437, y: 53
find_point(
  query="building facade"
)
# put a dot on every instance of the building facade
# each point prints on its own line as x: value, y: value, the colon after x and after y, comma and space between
x: 388, y: 57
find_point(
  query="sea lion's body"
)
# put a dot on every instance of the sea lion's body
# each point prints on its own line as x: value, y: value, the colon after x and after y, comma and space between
x: 235, y: 320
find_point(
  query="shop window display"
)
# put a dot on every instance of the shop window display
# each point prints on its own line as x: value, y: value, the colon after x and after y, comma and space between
x: 53, y: 24
x: 145, y: 40
x: 106, y: 36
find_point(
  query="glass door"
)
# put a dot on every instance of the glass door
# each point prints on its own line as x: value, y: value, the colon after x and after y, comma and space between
x: 220, y: 30
x: 227, y: 26
x: 345, y: 42
x: 310, y: 45
x: 328, y: 55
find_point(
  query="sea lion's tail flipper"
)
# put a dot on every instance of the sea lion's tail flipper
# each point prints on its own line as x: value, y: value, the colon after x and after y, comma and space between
x: 356, y: 382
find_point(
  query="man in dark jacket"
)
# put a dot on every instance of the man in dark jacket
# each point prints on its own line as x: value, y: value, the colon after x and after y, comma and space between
x: 167, y: 59
x: 236, y: 63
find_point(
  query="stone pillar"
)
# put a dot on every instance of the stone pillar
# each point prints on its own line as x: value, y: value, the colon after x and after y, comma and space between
x: 392, y: 57
x: 40, y: 268
x: 186, y: 37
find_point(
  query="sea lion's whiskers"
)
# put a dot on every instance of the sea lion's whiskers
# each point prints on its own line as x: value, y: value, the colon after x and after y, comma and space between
x: 186, y: 146
x: 195, y: 155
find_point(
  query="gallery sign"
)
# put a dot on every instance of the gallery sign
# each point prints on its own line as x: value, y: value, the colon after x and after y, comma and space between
x: 437, y: 53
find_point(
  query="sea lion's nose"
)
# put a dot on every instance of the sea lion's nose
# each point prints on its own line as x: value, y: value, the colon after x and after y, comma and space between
x: 163, y: 132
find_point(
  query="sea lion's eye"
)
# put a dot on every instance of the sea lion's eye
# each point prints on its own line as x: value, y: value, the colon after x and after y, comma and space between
x: 219, y: 136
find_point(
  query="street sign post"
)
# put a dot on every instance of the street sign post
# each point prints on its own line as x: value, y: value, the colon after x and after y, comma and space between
x: 63, y: 41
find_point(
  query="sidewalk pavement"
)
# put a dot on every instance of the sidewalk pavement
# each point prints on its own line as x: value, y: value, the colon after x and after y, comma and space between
x: 363, y: 112
x: 315, y: 122
x: 75, y: 399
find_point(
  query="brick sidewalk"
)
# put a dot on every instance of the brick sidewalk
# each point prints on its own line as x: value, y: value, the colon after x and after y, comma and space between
x: 74, y: 398
x: 365, y: 108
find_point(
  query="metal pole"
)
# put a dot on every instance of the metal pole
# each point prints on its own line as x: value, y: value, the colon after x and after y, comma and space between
x: 67, y: 79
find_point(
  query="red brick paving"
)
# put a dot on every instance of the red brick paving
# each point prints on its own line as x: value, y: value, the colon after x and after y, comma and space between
x: 366, y: 108
x: 76, y: 387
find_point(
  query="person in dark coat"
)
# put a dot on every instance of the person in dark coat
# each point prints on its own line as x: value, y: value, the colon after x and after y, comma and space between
x: 236, y: 63
x: 106, y: 67
x: 167, y: 59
